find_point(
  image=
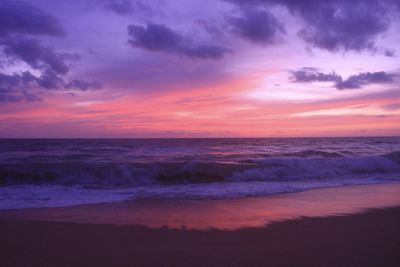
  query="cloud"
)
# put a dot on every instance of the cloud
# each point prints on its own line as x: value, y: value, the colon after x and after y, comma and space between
x: 23, y: 86
x: 120, y: 7
x: 160, y: 38
x: 24, y: 18
x: 390, y: 53
x: 18, y: 22
x: 50, y: 80
x: 257, y: 26
x: 83, y: 85
x: 307, y: 75
x: 336, y: 25
x: 344, y: 25
x: 16, y: 87
x: 34, y: 54
x: 362, y: 79
x: 52, y: 67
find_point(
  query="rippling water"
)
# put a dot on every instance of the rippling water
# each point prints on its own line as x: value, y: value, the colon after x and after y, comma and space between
x: 59, y: 172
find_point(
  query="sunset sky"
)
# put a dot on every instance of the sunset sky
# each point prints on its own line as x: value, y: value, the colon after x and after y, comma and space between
x: 199, y: 68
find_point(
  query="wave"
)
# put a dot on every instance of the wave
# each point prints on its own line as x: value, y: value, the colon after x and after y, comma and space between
x: 116, y: 174
x: 278, y: 169
x: 394, y: 156
x: 314, y: 153
x: 125, y: 174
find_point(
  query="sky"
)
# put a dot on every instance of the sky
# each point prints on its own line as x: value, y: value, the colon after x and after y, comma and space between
x: 199, y: 68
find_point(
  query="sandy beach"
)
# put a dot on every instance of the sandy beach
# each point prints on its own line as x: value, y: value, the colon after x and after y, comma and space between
x: 367, y: 239
x: 346, y: 226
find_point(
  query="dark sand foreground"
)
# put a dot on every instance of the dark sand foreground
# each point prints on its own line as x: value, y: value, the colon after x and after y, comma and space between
x: 367, y: 239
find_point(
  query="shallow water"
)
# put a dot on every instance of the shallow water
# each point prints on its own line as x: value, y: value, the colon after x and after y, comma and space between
x: 225, y: 214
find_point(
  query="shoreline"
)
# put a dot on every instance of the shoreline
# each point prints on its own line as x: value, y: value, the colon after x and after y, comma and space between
x: 184, y: 198
x: 221, y: 214
x: 370, y: 238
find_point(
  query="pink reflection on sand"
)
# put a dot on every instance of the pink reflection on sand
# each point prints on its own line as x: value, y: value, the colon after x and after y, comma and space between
x: 222, y: 214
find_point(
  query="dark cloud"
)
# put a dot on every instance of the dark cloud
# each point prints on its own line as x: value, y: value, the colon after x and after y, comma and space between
x: 258, y: 26
x: 160, y: 38
x: 23, y: 86
x: 19, y: 21
x: 24, y: 18
x: 390, y: 53
x: 83, y: 85
x: 337, y: 25
x: 16, y: 87
x: 52, y: 66
x: 312, y: 75
x: 344, y: 25
x: 306, y: 75
x: 50, y: 80
x: 35, y: 54
x: 362, y: 79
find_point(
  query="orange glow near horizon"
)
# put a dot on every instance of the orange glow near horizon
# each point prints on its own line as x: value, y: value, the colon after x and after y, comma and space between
x: 182, y: 70
x: 223, y: 110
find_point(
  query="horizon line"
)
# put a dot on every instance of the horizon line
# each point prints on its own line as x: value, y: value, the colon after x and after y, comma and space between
x: 254, y: 137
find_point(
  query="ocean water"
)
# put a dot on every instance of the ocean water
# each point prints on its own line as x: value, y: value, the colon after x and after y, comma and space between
x: 64, y: 172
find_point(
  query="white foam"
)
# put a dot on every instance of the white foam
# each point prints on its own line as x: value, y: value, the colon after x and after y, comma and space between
x: 34, y: 196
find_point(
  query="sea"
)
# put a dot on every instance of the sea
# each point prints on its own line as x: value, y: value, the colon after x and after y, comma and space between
x: 38, y: 173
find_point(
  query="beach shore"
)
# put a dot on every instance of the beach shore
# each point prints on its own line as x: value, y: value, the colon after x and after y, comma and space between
x: 344, y: 226
x: 368, y: 239
x: 223, y: 214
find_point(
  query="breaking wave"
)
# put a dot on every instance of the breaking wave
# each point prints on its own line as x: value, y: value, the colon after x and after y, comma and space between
x: 296, y: 166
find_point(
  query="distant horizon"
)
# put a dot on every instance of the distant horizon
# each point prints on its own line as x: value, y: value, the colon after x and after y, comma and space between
x: 227, y: 137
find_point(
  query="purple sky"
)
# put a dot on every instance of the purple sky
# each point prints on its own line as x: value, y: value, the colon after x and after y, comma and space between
x: 156, y: 68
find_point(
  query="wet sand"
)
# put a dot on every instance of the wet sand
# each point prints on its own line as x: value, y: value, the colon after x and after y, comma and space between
x: 227, y: 214
x: 367, y: 239
x: 347, y: 226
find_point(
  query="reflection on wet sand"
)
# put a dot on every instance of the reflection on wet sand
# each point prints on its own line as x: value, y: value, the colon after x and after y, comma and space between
x: 222, y: 214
